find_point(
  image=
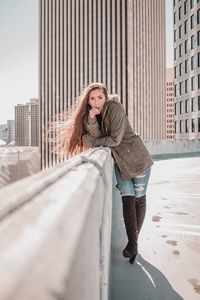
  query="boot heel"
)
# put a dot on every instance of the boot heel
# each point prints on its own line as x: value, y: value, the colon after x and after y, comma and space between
x: 132, y: 259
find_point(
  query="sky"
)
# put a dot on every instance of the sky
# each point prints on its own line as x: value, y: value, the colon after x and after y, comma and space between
x: 19, y: 52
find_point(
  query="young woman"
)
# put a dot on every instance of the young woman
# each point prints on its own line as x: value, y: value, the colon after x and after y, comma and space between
x: 101, y: 121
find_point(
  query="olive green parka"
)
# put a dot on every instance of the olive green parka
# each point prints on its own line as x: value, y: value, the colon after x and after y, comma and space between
x: 115, y: 132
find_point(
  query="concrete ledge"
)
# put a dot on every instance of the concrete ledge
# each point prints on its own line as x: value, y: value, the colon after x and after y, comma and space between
x: 173, y: 146
x: 55, y: 230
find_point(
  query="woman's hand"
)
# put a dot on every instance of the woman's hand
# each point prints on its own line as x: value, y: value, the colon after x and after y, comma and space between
x: 93, y: 112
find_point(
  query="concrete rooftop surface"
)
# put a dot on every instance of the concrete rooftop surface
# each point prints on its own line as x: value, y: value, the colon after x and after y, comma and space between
x: 168, y: 264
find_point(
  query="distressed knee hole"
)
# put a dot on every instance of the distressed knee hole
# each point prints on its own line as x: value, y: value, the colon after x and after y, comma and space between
x: 139, y: 187
x: 140, y: 176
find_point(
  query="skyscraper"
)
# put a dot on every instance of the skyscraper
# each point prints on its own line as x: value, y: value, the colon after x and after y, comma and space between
x: 120, y: 43
x: 187, y: 68
x: 27, y: 124
x: 11, y: 131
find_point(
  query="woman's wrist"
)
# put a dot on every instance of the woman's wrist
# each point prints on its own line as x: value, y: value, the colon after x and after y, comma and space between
x: 91, y: 120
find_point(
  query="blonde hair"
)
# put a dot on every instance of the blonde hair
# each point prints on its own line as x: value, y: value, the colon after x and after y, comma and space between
x: 70, y: 126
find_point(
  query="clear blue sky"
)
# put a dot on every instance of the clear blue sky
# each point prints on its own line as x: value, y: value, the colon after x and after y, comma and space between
x: 19, y: 52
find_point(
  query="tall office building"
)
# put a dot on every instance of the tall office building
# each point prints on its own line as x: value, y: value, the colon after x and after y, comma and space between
x: 170, y: 102
x: 27, y: 124
x: 120, y: 43
x: 11, y: 131
x: 187, y: 68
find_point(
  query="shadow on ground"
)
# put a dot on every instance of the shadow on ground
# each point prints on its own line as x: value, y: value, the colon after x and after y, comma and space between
x: 139, y: 281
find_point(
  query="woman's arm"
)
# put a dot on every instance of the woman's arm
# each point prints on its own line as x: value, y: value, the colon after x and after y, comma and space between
x: 118, y: 122
x: 93, y: 127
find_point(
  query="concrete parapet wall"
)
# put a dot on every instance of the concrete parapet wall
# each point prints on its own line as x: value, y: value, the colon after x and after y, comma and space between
x: 55, y: 231
x: 173, y: 146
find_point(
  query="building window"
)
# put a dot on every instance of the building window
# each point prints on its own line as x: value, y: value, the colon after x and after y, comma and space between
x: 193, y: 125
x: 175, y: 108
x: 175, y: 125
x: 192, y: 62
x: 192, y: 83
x: 185, y: 7
x: 179, y: 12
x: 174, y: 53
x: 192, y: 104
x: 191, y: 4
x: 198, y: 81
x: 175, y: 72
x: 186, y: 64
x: 175, y: 35
x: 198, y: 59
x: 174, y: 2
x: 192, y: 42
x: 186, y: 46
x: 179, y: 31
x: 181, y: 126
x: 198, y: 102
x: 186, y: 106
x: 180, y: 88
x: 198, y: 16
x: 185, y: 26
x: 198, y: 124
x: 175, y: 88
x: 192, y: 22
x: 180, y: 69
x: 175, y: 17
x: 198, y: 37
x: 180, y: 50
x: 181, y: 107
x: 186, y: 86
x: 186, y: 126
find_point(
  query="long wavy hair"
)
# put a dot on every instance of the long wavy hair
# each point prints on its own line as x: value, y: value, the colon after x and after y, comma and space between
x: 70, y: 127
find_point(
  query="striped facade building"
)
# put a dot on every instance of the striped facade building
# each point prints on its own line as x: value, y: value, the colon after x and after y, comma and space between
x: 120, y: 43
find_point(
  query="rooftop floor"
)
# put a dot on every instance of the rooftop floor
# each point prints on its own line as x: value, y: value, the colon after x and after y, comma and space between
x: 168, y: 264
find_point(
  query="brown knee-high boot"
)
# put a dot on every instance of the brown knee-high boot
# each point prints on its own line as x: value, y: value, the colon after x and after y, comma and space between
x: 130, y: 220
x: 140, y: 206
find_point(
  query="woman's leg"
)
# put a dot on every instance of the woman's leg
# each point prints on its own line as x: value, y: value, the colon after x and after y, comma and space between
x: 130, y: 221
x: 129, y: 213
x: 140, y: 183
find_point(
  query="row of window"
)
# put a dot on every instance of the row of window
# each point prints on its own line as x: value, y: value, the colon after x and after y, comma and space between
x: 182, y: 68
x: 195, y: 126
x: 193, y: 43
x: 192, y: 22
x: 186, y: 4
x: 193, y: 104
x: 180, y: 31
x: 170, y: 89
x: 192, y: 86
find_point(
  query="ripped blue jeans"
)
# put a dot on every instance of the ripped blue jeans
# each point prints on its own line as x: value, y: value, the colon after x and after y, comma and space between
x: 136, y: 186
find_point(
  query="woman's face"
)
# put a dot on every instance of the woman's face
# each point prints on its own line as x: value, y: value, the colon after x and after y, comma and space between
x: 97, y: 99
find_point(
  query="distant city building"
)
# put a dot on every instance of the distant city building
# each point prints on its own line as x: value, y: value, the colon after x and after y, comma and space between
x: 170, y: 102
x: 27, y: 123
x: 187, y: 68
x: 118, y: 43
x: 11, y: 131
x: 4, y: 133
